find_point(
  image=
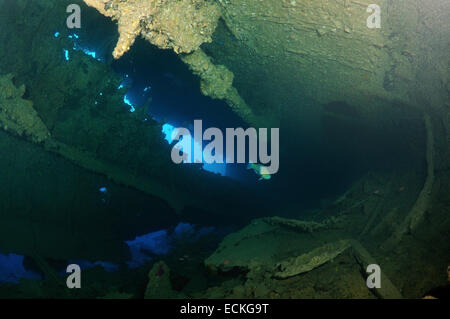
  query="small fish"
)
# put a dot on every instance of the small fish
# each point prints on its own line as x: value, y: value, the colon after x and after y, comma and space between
x: 261, y: 170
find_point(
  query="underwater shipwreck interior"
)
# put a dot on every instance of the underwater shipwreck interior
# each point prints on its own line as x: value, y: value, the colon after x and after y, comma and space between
x: 93, y: 93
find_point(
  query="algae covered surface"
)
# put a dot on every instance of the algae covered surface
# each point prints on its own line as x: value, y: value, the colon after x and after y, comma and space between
x: 357, y: 114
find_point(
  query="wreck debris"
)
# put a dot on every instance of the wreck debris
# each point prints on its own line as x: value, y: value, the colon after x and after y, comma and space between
x: 19, y: 117
x: 181, y: 25
x: 306, y: 262
x: 297, y: 225
x: 287, y: 237
x: 217, y: 83
x: 159, y: 285
x: 235, y: 248
x: 363, y: 258
x: 17, y: 114
x: 417, y: 212
x: 424, y: 199
x: 117, y: 174
x: 261, y: 250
